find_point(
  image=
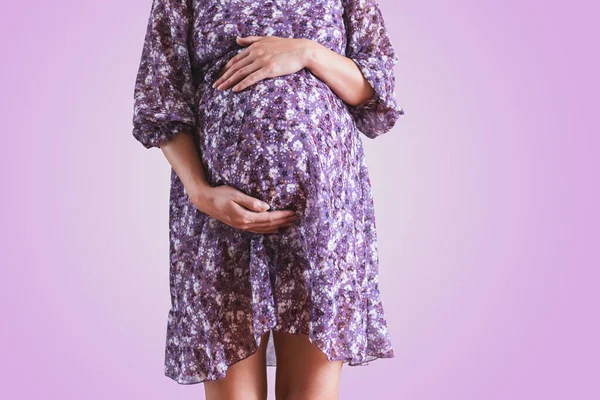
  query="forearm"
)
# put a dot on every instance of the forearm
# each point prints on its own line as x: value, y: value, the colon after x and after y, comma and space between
x: 340, y: 73
x: 184, y: 157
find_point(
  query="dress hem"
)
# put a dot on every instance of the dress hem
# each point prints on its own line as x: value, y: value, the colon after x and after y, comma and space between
x: 345, y: 360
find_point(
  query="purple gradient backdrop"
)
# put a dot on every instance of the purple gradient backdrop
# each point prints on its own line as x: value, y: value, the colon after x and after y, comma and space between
x: 486, y: 195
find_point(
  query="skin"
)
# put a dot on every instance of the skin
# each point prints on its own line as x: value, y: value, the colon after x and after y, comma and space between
x: 244, y: 380
x: 303, y: 371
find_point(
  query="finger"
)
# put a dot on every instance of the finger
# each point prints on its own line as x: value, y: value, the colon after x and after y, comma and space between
x: 231, y: 63
x: 276, y: 229
x: 251, y: 79
x: 249, y: 202
x: 268, y: 216
x: 275, y: 223
x: 248, y: 219
x: 269, y: 230
x: 263, y: 231
x: 239, y: 56
x: 244, y: 41
x: 238, y: 76
x: 235, y: 73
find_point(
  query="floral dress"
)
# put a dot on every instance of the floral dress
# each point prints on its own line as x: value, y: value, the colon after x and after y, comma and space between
x: 289, y: 141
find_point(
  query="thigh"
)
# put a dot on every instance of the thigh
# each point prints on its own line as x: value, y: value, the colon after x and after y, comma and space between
x: 303, y: 371
x: 245, y: 380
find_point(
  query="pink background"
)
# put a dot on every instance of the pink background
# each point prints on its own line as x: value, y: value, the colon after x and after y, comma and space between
x: 486, y: 195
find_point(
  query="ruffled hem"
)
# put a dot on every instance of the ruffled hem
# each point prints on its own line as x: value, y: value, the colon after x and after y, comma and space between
x: 379, y: 114
x: 151, y: 135
x: 351, y: 361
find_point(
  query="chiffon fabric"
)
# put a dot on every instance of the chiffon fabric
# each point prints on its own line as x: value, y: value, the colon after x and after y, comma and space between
x: 289, y: 141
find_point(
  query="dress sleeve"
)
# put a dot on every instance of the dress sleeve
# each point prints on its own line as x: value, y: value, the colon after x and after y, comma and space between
x: 164, y: 87
x: 369, y: 46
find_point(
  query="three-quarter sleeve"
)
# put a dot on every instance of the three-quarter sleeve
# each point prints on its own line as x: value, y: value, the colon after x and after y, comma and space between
x: 164, y: 90
x: 369, y: 46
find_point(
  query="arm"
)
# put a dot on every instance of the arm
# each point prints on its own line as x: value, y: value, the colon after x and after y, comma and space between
x: 164, y: 93
x: 340, y: 73
x: 369, y: 48
x: 288, y: 55
x: 182, y: 154
x: 164, y: 117
x: 164, y: 87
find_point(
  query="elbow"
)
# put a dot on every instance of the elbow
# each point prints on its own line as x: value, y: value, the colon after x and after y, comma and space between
x: 367, y: 97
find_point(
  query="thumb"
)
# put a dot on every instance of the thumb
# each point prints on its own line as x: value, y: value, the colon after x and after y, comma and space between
x: 251, y: 203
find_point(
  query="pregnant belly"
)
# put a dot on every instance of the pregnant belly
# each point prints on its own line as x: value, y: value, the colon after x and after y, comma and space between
x: 277, y: 140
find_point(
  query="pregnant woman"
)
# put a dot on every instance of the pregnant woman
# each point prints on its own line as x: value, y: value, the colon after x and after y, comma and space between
x: 258, y: 106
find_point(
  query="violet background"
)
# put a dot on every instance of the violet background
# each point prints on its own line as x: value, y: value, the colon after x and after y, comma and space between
x: 486, y: 195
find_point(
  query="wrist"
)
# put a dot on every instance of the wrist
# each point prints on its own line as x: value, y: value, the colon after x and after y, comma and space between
x: 310, y: 53
x: 199, y: 192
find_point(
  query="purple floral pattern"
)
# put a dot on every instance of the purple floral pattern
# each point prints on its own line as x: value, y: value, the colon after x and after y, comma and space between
x: 289, y: 141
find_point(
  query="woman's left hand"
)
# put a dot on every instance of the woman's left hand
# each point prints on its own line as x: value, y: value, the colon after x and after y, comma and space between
x: 265, y: 57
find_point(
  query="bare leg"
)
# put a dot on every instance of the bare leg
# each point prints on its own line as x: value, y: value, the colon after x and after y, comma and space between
x: 303, y: 371
x: 245, y: 380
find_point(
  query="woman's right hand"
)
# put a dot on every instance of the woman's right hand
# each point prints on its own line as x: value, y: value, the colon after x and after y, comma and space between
x: 239, y: 210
